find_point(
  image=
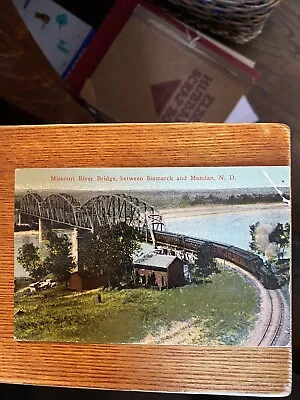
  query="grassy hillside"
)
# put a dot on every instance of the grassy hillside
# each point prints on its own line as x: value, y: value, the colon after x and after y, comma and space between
x: 218, y: 312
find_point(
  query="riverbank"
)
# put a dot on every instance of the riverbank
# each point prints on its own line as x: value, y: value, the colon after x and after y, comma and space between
x: 25, y: 233
x: 213, y: 209
x: 36, y: 232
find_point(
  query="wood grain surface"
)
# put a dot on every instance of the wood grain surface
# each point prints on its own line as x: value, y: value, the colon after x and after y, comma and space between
x: 190, y: 369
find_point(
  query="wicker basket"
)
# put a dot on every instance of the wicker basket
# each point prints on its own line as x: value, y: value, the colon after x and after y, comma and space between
x: 235, y: 20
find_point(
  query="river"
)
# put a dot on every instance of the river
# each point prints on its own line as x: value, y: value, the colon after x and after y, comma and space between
x: 231, y: 228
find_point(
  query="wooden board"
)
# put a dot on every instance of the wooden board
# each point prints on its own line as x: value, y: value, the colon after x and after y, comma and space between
x: 193, y: 369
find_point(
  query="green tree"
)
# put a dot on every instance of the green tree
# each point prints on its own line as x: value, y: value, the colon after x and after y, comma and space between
x: 254, y: 246
x: 91, y: 252
x: 185, y: 200
x: 204, y: 265
x: 30, y: 260
x: 272, y: 245
x: 281, y: 270
x: 281, y: 237
x: 59, y: 261
x: 109, y: 250
x: 265, y: 241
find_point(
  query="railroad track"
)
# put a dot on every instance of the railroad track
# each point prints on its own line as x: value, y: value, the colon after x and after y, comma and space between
x: 273, y: 326
x: 274, y: 333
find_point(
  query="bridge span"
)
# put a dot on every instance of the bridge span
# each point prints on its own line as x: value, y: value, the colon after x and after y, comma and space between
x: 100, y: 210
x: 110, y: 209
x: 104, y: 209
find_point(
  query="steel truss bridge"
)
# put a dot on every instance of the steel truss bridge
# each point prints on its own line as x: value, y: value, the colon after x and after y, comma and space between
x: 116, y: 208
x: 98, y: 211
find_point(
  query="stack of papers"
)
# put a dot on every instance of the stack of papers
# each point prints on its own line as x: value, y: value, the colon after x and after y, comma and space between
x: 152, y: 68
x: 148, y: 68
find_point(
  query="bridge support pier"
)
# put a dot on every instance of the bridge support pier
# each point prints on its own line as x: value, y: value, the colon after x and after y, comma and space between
x: 43, y: 229
x: 75, y: 240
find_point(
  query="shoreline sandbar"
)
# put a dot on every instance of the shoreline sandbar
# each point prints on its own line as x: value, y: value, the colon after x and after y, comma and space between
x: 212, y: 209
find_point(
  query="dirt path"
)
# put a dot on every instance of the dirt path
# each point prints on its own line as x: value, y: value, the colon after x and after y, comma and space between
x: 193, y: 332
x: 181, y: 333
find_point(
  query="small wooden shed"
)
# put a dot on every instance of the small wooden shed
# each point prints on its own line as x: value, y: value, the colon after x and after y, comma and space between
x: 160, y: 270
x: 80, y: 280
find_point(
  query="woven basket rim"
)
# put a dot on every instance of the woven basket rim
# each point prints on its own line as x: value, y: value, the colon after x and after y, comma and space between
x: 236, y: 20
x: 231, y: 5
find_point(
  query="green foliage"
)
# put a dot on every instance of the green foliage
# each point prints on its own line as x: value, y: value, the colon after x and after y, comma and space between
x: 185, y: 200
x: 59, y: 261
x: 281, y: 237
x: 281, y: 269
x: 110, y: 250
x: 232, y: 199
x: 204, y: 265
x: 273, y: 247
x: 21, y: 282
x: 253, y: 243
x: 29, y: 258
x: 127, y: 316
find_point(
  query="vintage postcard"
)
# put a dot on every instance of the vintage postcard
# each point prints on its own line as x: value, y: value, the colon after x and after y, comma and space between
x: 170, y: 256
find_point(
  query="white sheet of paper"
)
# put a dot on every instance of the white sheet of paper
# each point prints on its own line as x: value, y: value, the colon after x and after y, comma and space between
x: 61, y: 35
x: 242, y: 113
